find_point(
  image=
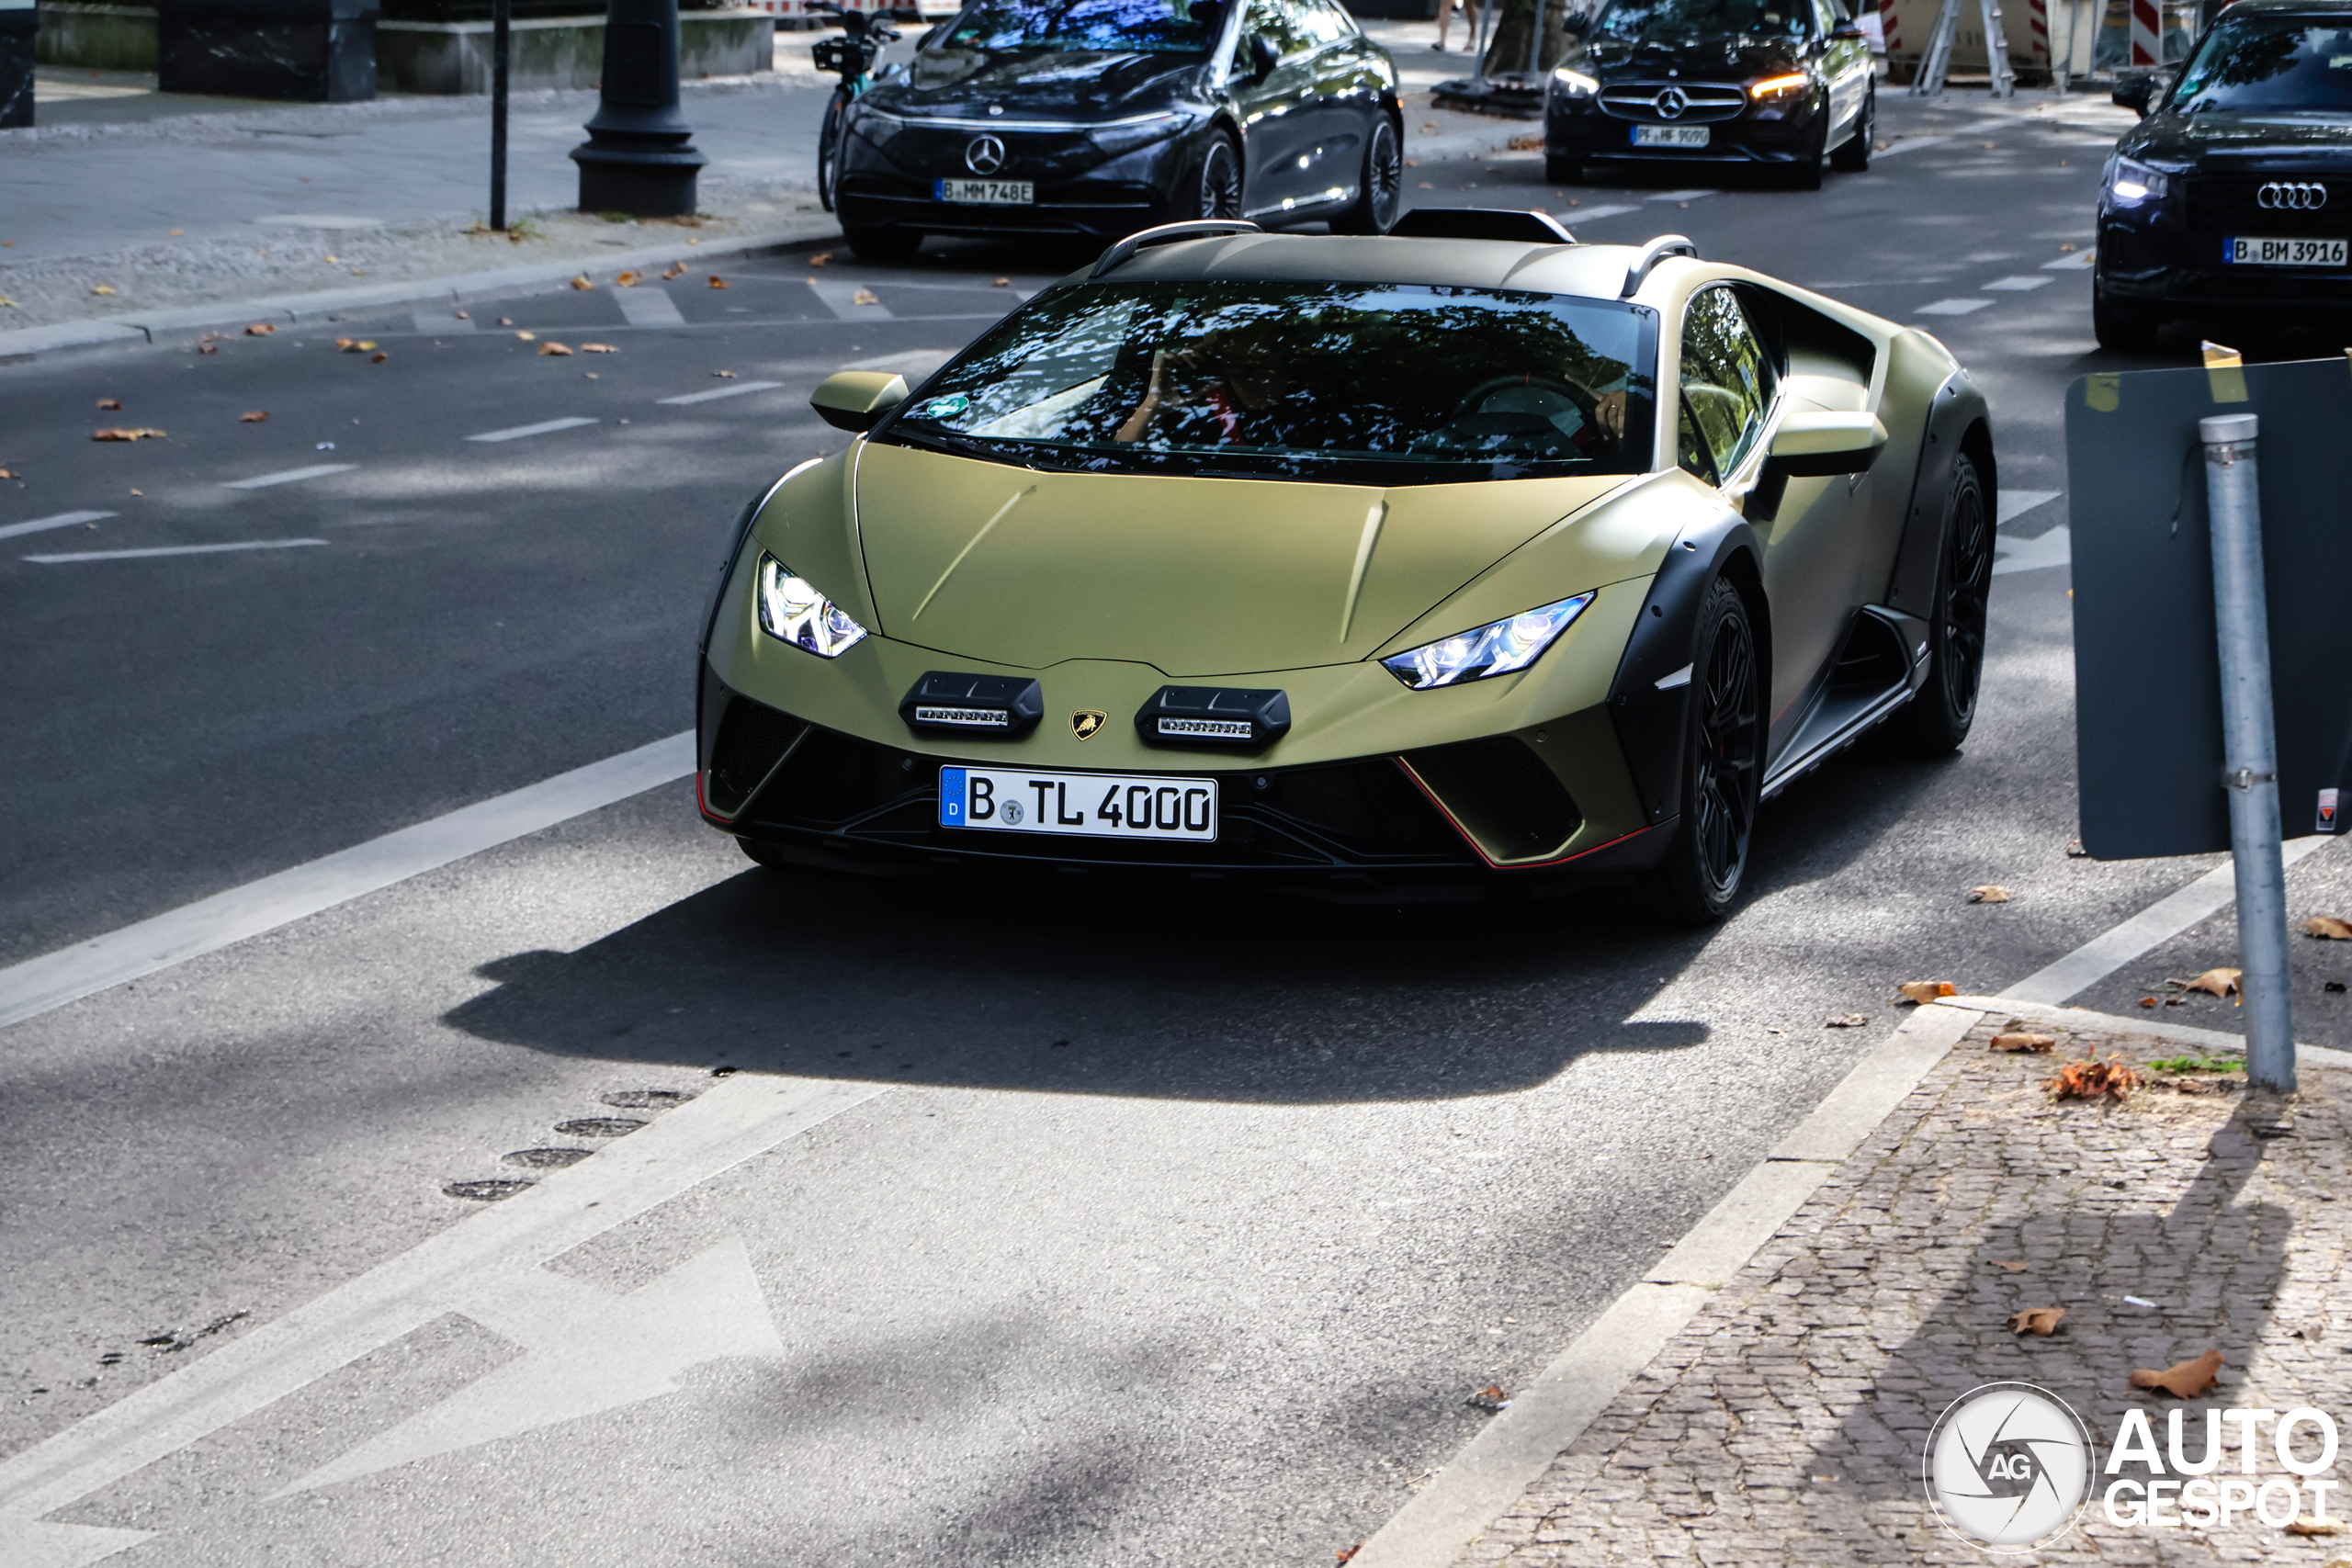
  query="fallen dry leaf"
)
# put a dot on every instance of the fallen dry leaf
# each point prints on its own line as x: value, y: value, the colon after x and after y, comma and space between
x: 724, y: 375
x: 2013, y: 1267
x: 865, y: 297
x: 208, y: 348
x: 135, y: 491
x: 627, y: 280
x: 2019, y: 1045
x: 555, y: 349
x: 8, y: 473
x: 1852, y: 1021
x: 1490, y: 1397
x: 820, y: 258
x: 379, y: 360
x: 2043, y: 1321
x: 139, y: 432
x: 527, y: 337
x: 582, y: 282
x: 2219, y: 982
x: 355, y: 344
x: 2312, y: 1526
x: 334, y: 261
x: 2185, y: 1379
x: 178, y: 232
x: 1527, y: 144
x: 261, y: 329
x: 103, y: 289
x: 599, y: 348
x: 1002, y: 283
x: 253, y: 418
x: 1925, y: 991
x: 2328, y: 927
x: 716, y: 281
x: 2090, y: 1078
x: 110, y: 403
x: 1991, y: 893
x: 2147, y: 1001
x: 462, y: 315
x: 677, y: 269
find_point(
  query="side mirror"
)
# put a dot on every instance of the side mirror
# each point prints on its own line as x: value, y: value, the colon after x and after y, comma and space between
x: 2135, y: 95
x: 1576, y: 24
x: 1262, y: 57
x: 1813, y: 446
x: 854, y: 400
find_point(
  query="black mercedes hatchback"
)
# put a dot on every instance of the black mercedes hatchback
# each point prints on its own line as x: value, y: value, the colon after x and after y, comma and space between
x: 2233, y: 196
x: 1774, y: 83
x: 1093, y: 118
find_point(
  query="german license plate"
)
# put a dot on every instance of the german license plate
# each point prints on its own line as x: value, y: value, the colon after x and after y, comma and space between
x: 1092, y: 805
x: 2283, y: 252
x: 1669, y: 136
x: 987, y: 193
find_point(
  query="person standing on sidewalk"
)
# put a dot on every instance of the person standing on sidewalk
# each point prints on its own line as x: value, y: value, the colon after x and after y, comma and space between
x: 1445, y: 9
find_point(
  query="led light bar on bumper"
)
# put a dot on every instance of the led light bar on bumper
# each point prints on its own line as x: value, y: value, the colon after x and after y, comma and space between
x: 791, y: 610
x: 1212, y: 716
x: 1500, y: 648
x: 945, y: 701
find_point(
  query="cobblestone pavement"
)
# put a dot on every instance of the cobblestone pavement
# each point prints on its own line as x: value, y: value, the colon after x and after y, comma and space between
x: 1786, y: 1424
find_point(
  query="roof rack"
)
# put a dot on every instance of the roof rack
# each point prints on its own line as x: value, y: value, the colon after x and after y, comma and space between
x: 1656, y: 251
x: 1168, y: 234
x: 1482, y: 224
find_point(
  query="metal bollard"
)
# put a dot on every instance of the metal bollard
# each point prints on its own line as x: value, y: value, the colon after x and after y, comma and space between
x: 2249, y: 745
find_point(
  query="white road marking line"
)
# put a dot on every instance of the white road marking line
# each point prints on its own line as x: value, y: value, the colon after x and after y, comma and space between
x: 542, y: 428
x: 42, y: 525
x: 716, y: 393
x: 647, y: 307
x: 52, y: 980
x: 2015, y: 503
x: 487, y: 1267
x: 1594, y: 215
x: 1909, y: 144
x: 2016, y: 284
x: 2054, y: 548
x: 315, y: 471
x: 434, y: 322
x: 2078, y: 259
x: 839, y: 295
x: 2143, y: 932
x: 1678, y: 196
x: 174, y: 550
x: 1952, y: 308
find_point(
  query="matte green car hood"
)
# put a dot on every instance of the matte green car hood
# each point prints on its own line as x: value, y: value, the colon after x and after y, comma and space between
x: 1196, y: 576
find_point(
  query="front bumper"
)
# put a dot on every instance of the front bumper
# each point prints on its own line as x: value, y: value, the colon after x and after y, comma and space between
x: 2169, y: 254
x: 1587, y: 128
x: 889, y: 181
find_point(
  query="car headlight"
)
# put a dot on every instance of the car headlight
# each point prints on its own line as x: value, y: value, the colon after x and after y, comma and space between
x: 2129, y: 181
x: 791, y: 610
x: 1496, y: 649
x: 1573, y: 84
x: 1777, y: 89
x: 1127, y: 135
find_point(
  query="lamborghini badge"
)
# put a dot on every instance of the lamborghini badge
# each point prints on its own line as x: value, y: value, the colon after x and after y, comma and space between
x: 1086, y: 721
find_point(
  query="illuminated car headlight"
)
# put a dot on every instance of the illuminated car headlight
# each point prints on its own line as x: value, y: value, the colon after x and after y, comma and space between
x: 1127, y: 135
x: 1497, y: 648
x: 2129, y: 181
x: 1780, y: 89
x: 1573, y: 84
x: 791, y: 610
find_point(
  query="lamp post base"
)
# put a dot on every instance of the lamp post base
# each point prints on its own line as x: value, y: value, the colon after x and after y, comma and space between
x: 641, y: 181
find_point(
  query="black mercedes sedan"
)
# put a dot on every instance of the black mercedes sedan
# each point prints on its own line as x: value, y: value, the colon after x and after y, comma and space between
x: 1781, y: 84
x: 2233, y: 196
x: 1093, y: 118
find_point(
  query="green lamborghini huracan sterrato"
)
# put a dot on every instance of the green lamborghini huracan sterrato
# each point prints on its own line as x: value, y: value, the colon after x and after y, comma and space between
x: 1465, y: 553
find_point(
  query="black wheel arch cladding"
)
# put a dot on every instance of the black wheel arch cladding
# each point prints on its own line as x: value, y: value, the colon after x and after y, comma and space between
x: 1958, y: 422
x: 1653, y: 725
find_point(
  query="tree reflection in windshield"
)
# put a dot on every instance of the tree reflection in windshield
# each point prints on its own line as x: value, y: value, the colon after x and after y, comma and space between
x: 1355, y: 383
x: 1181, y: 26
x: 1635, y: 20
x: 2261, y: 63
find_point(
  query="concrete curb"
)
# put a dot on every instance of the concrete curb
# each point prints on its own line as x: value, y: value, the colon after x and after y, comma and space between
x: 2088, y: 1021
x: 1542, y: 1420
x: 22, y: 344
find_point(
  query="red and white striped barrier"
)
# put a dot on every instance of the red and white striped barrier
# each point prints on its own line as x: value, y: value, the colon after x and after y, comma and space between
x: 2147, y: 28
x: 1891, y: 24
x: 2038, y: 21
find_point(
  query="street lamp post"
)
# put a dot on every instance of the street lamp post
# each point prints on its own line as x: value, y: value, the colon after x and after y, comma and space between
x: 639, y: 157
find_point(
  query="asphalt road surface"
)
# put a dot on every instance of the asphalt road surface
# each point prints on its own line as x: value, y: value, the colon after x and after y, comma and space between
x: 1002, y: 1225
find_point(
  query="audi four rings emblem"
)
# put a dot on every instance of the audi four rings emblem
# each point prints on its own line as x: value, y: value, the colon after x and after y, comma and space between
x: 1670, y: 104
x: 2293, y: 195
x: 984, y: 155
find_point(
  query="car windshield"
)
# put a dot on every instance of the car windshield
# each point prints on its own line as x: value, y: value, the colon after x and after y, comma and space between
x: 1370, y: 383
x: 1636, y: 20
x: 1172, y: 27
x: 2257, y: 63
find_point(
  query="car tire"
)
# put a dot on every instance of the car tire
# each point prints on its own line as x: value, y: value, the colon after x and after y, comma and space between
x: 1563, y: 170
x: 882, y: 244
x: 1805, y: 172
x: 1218, y: 192
x: 828, y: 152
x: 1853, y: 156
x: 1382, y: 191
x: 1723, y: 771
x: 1937, y: 716
x: 2121, y: 328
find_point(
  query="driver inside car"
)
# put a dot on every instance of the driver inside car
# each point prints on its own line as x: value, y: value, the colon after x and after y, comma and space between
x: 1214, y: 392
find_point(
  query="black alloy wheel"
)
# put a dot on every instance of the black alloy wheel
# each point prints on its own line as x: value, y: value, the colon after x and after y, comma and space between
x: 1383, y: 190
x: 1853, y: 156
x: 1220, y: 190
x: 1724, y: 772
x: 1805, y: 172
x: 1936, y: 718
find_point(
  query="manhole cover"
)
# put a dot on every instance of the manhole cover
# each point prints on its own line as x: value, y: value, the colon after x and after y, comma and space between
x: 546, y: 1159
x: 648, y: 1099
x: 599, y: 1126
x: 488, y: 1191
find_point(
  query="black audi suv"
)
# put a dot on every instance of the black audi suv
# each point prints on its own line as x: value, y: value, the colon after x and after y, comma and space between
x: 2233, y: 196
x: 1783, y: 83
x: 1093, y: 118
